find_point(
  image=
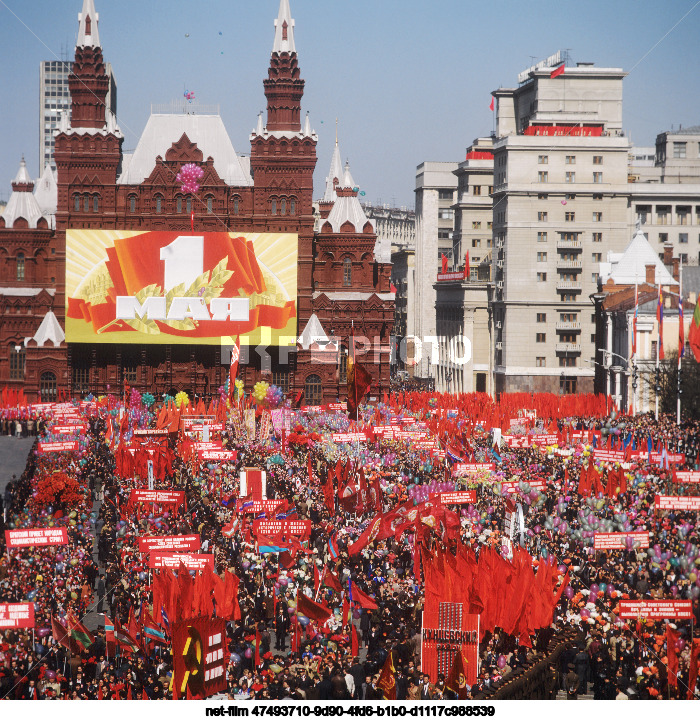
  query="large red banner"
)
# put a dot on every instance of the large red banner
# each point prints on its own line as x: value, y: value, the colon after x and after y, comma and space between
x: 151, y: 432
x: 58, y: 446
x: 609, y: 456
x: 217, y: 455
x: 200, y: 657
x: 143, y: 495
x: 348, y: 437
x: 459, y: 470
x: 191, y: 561
x: 677, y: 503
x: 613, y: 541
x: 273, y: 528
x: 656, y: 610
x: 450, y: 630
x: 547, y: 439
x: 458, y: 497
x: 36, y: 537
x: 68, y: 429
x: 687, y: 476
x: 255, y: 507
x: 16, y: 615
x: 192, y: 542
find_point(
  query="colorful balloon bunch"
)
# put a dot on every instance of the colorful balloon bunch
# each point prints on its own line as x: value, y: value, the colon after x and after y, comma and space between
x: 182, y: 399
x: 239, y: 388
x: 274, y: 396
x: 148, y: 399
x: 134, y: 398
x: 188, y: 95
x: 260, y: 392
x: 189, y: 176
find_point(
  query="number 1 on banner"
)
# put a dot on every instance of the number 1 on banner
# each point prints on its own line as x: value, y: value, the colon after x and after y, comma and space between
x: 184, y: 261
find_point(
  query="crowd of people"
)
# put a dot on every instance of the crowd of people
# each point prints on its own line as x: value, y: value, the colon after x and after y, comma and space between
x: 277, y: 653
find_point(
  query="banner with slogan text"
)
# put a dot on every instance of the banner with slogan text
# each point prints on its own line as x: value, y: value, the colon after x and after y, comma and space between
x: 16, y: 615
x: 677, y: 503
x: 656, y: 610
x: 193, y: 542
x: 36, y: 537
x: 617, y: 541
x: 164, y: 287
x: 191, y: 561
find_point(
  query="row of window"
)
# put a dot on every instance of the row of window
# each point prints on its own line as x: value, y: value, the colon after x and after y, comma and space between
x: 569, y: 216
x: 566, y: 277
x: 542, y: 237
x: 664, y: 214
x: 86, y: 201
x: 476, y: 225
x: 542, y: 257
x: 569, y: 177
x: 564, y: 362
x: 569, y: 159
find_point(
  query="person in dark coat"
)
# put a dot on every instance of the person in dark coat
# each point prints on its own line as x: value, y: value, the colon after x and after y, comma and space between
x: 281, y: 626
x: 572, y: 683
x: 582, y: 666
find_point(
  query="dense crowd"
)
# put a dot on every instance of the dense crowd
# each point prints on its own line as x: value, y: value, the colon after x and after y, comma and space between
x: 101, y: 570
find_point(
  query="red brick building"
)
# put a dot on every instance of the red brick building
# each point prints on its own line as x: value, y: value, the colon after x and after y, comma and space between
x: 343, y: 280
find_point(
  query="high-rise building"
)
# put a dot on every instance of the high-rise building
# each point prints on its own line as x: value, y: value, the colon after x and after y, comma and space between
x: 559, y: 204
x: 436, y: 188
x: 54, y: 100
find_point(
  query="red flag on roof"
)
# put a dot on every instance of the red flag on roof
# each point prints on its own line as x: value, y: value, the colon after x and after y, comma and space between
x: 558, y: 71
x: 492, y: 105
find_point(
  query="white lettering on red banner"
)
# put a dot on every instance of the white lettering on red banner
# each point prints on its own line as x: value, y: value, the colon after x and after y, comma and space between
x: 656, y: 610
x: 273, y: 528
x: 143, y: 495
x: 613, y: 541
x: 151, y: 431
x: 191, y: 561
x: 218, y: 455
x: 687, y: 476
x: 255, y: 507
x: 16, y: 615
x: 170, y: 543
x: 58, y: 446
x: 68, y: 430
x: 545, y: 439
x: 609, y: 456
x: 517, y: 441
x: 348, y: 437
x: 455, y: 275
x: 467, y: 469
x: 458, y: 497
x: 36, y: 537
x: 678, y: 503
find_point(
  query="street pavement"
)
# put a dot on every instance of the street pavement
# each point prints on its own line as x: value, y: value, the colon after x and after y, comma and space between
x: 13, y: 457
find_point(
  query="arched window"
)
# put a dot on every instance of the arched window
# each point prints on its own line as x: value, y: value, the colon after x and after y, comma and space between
x: 132, y: 203
x: 86, y: 203
x: 47, y: 387
x: 236, y: 205
x: 189, y: 205
x: 273, y: 206
x: 292, y: 206
x: 312, y: 390
x: 343, y: 365
x: 159, y: 203
x: 179, y: 204
x: 283, y: 206
x: 347, y: 272
x: 16, y: 362
x: 95, y: 203
x: 76, y: 203
x: 210, y: 203
x: 20, y: 266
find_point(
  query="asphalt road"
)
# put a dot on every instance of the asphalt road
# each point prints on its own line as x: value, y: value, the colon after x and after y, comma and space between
x: 13, y: 457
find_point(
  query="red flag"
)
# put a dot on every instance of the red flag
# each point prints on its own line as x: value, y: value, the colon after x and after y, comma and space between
x: 457, y: 680
x: 558, y: 71
x: 694, y: 332
x: 672, y: 638
x: 392, y: 288
x: 62, y: 637
x: 346, y: 611
x: 359, y: 382
x: 444, y: 263
x: 492, y: 105
x: 317, y: 580
x: 363, y: 599
x: 387, y: 680
x: 354, y: 643
x: 311, y: 609
x: 693, y: 668
x: 467, y: 268
x: 257, y: 648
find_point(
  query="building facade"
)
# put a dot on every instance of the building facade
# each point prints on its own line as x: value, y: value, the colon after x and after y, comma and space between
x: 99, y: 187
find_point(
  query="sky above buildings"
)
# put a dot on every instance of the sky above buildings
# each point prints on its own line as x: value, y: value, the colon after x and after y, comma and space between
x: 408, y: 80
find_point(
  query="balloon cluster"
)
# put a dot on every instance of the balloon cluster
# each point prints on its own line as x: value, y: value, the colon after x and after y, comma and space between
x: 188, y: 95
x: 134, y: 398
x: 189, y: 176
x: 148, y: 399
x: 419, y: 494
x: 182, y: 399
x: 611, y: 428
x: 239, y: 388
x: 274, y: 396
x: 260, y: 392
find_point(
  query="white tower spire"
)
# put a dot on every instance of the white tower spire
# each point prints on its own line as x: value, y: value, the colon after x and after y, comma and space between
x: 87, y: 31
x: 284, y: 30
